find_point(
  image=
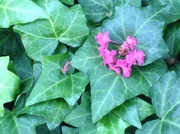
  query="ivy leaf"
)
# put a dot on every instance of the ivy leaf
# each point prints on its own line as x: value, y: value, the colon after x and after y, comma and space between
x: 96, y: 11
x: 111, y: 123
x: 52, y: 83
x: 10, y: 124
x: 165, y: 100
x: 69, y: 2
x: 145, y: 24
x: 172, y: 38
x: 10, y: 43
x: 68, y: 25
x: 54, y: 111
x: 117, y: 121
x: 43, y: 129
x: 115, y: 89
x: 68, y: 130
x: 81, y: 116
x: 128, y: 112
x: 15, y: 12
x: 9, y: 84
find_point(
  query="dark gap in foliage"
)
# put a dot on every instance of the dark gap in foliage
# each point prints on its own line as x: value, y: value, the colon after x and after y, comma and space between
x: 9, y: 105
x: 150, y: 118
x: 65, y: 124
x: 145, y: 98
x: 130, y: 130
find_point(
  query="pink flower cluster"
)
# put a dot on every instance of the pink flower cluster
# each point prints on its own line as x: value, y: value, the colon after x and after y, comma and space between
x: 121, y: 59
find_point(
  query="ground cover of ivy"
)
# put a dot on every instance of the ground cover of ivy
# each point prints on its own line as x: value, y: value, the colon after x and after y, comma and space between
x: 38, y: 38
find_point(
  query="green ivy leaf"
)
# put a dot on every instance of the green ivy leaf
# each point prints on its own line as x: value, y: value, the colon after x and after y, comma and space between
x: 109, y: 90
x: 111, y: 123
x: 128, y: 111
x: 68, y: 25
x: 145, y: 24
x: 81, y: 116
x: 96, y: 11
x: 117, y: 121
x: 10, y: 43
x: 166, y: 103
x: 68, y: 130
x: 43, y: 129
x: 54, y: 111
x: 52, y: 83
x: 9, y: 84
x: 69, y: 2
x: 172, y: 38
x: 19, y: 11
x: 10, y: 124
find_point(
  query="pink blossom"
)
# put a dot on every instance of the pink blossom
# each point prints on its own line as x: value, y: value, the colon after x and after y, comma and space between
x: 126, y: 57
x: 103, y: 39
x: 66, y: 67
x: 139, y: 56
x: 126, y: 69
x: 132, y: 42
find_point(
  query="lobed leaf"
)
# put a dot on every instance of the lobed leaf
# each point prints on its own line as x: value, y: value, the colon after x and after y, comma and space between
x: 68, y: 25
x: 108, y: 89
x: 165, y: 100
x: 69, y: 2
x: 81, y: 116
x: 54, y: 111
x: 10, y: 124
x: 17, y: 12
x: 96, y: 11
x: 52, y: 83
x: 145, y: 24
x: 9, y: 84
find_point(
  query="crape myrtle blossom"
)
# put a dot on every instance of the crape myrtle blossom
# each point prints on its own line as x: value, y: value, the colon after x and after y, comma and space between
x: 121, y: 59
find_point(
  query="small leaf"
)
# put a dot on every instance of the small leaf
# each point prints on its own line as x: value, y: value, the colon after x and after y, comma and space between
x: 15, y: 12
x: 68, y: 25
x: 43, y: 129
x: 54, y: 111
x: 111, y: 123
x: 166, y: 102
x: 172, y: 38
x: 9, y: 84
x: 145, y: 24
x: 68, y: 130
x: 53, y: 84
x: 128, y: 112
x: 10, y: 43
x: 11, y: 124
x: 97, y: 10
x: 81, y: 116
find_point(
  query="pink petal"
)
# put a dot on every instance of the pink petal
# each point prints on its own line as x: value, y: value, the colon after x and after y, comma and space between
x: 103, y: 39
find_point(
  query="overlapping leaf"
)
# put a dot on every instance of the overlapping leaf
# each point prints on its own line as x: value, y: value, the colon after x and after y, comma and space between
x: 68, y: 25
x: 166, y: 102
x: 172, y: 38
x: 9, y: 84
x: 145, y: 24
x: 10, y: 43
x: 98, y: 10
x: 52, y: 83
x: 109, y: 90
x: 16, y: 12
x: 81, y: 116
x: 54, y: 111
x: 10, y: 124
x: 117, y: 121
x: 68, y: 130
